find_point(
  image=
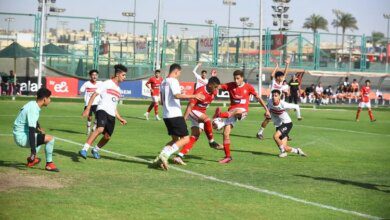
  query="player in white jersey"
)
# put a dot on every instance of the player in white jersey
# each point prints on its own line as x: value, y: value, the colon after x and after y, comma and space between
x: 88, y: 88
x: 201, y: 80
x: 277, y: 78
x: 172, y: 115
x: 106, y: 111
x: 283, y: 123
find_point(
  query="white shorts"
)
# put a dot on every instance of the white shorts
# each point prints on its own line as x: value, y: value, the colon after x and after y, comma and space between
x: 194, y: 118
x: 222, y: 122
x: 364, y: 104
x: 156, y: 98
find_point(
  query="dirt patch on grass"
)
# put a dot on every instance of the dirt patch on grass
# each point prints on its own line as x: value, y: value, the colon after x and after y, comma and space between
x: 14, y: 179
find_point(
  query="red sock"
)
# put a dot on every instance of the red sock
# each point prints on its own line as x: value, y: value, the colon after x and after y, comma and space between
x: 226, y: 147
x: 224, y: 115
x: 208, y: 129
x: 189, y: 146
x: 358, y: 114
x: 156, y: 108
x: 371, y: 115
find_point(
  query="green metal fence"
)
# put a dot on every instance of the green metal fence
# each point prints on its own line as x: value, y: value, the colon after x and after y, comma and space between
x: 91, y: 42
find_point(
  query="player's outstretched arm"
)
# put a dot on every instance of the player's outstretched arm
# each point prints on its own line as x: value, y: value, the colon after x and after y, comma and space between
x: 276, y: 69
x: 88, y: 108
x: 197, y: 96
x: 287, y: 62
x: 119, y: 117
x: 262, y: 103
x: 188, y: 110
x: 196, y: 69
x: 295, y: 107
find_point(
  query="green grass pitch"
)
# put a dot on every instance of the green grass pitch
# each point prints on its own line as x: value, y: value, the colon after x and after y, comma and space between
x: 348, y: 168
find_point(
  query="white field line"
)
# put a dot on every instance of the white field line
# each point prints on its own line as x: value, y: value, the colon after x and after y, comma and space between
x: 236, y: 184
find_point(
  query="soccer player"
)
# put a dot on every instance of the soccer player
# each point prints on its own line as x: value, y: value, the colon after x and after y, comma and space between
x: 153, y: 84
x: 365, y: 101
x: 196, y: 112
x: 277, y: 78
x: 172, y: 115
x: 88, y: 88
x: 283, y: 123
x: 201, y: 80
x: 239, y: 93
x: 106, y: 111
x: 28, y: 133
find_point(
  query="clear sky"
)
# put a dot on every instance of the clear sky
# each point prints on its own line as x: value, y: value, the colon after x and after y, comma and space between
x: 369, y: 13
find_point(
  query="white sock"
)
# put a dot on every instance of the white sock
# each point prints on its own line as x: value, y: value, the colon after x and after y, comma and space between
x: 86, y: 146
x: 94, y: 125
x: 281, y: 148
x: 96, y: 148
x: 181, y: 155
x: 294, y: 150
x: 261, y: 130
x: 169, y: 150
x: 211, y: 141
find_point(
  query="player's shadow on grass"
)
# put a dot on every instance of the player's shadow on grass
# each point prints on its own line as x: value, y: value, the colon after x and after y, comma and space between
x: 245, y: 136
x: 132, y: 117
x: 73, y: 155
x: 123, y: 159
x: 255, y: 152
x: 339, y: 119
x: 349, y: 182
x: 66, y: 131
x: 13, y: 164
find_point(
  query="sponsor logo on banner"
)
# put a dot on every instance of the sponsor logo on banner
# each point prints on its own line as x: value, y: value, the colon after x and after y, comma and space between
x: 141, y: 47
x: 29, y: 85
x: 145, y: 89
x: 131, y: 89
x: 187, y: 88
x: 205, y: 45
x: 62, y: 86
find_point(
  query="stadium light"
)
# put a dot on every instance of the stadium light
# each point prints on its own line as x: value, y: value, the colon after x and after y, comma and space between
x: 209, y: 22
x: 280, y: 16
x: 9, y: 20
x: 387, y: 17
x: 229, y: 3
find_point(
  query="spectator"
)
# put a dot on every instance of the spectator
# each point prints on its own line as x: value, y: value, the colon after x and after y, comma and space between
x: 318, y: 93
x: 345, y: 84
x: 379, y: 97
x: 309, y: 94
x: 328, y: 95
x: 294, y: 89
x: 355, y: 89
x: 285, y: 90
x: 11, y: 83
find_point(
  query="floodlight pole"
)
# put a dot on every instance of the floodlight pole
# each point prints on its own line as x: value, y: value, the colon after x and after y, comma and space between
x: 260, y: 46
x: 40, y: 65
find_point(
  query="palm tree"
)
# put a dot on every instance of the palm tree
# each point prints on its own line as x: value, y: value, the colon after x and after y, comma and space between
x: 345, y: 21
x: 376, y: 37
x: 315, y: 22
x: 336, y: 24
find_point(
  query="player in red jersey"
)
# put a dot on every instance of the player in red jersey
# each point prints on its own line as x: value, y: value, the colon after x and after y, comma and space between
x: 239, y: 93
x: 365, y: 101
x: 196, y: 113
x: 154, y: 85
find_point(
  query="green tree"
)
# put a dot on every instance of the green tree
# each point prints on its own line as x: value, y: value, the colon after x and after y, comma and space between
x: 345, y: 21
x: 377, y: 37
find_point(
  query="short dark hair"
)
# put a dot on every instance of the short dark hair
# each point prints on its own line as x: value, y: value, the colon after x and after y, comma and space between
x: 204, y: 71
x: 279, y: 73
x: 173, y: 67
x: 214, y: 80
x: 275, y: 91
x: 368, y: 81
x: 238, y: 73
x: 43, y: 93
x: 157, y: 71
x: 120, y: 68
x: 93, y: 71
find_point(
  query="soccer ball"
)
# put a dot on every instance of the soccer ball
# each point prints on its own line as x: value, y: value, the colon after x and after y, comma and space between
x: 217, y: 124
